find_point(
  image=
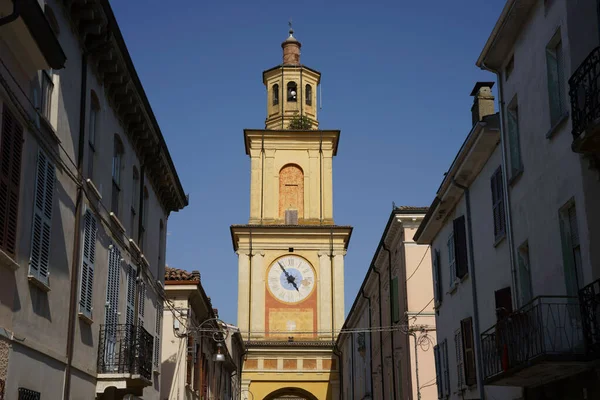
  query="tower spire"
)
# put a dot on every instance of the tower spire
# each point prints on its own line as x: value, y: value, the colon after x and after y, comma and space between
x: 291, y: 48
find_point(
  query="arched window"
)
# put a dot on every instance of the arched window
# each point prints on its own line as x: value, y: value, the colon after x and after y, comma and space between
x: 291, y: 193
x: 117, y: 164
x: 292, y: 91
x: 275, y: 94
x: 135, y: 203
x: 308, y: 95
x: 51, y: 18
x: 93, y: 129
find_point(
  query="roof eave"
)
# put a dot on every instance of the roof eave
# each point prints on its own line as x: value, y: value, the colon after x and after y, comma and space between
x: 40, y: 30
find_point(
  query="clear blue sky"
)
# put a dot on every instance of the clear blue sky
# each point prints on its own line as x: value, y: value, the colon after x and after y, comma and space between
x: 396, y: 79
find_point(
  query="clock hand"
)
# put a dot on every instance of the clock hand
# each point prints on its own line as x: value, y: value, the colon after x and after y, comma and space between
x: 283, y: 269
x: 290, y: 278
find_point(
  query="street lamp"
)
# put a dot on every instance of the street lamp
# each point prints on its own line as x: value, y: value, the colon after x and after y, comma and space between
x: 218, y: 356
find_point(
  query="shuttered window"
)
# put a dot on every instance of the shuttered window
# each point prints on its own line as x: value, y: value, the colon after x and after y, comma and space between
x: 11, y: 147
x: 141, y: 303
x: 498, y: 204
x: 516, y: 164
x: 503, y: 299
x: 39, y: 264
x: 189, y: 362
x: 460, y: 365
x: 445, y: 368
x: 438, y: 371
x: 525, y: 287
x: 460, y: 247
x: 395, y: 301
x: 157, y: 330
x: 113, y: 287
x: 437, y: 281
x: 556, y: 81
x: 451, y: 258
x: 87, y: 264
x: 130, y: 312
x: 571, y: 249
x: 466, y: 327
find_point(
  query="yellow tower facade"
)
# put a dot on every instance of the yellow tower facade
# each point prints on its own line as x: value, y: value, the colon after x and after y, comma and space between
x: 291, y: 253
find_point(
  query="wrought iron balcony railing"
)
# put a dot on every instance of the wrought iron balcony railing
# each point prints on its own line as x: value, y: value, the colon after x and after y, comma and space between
x: 584, y: 91
x: 546, y: 329
x: 125, y: 349
x: 589, y: 298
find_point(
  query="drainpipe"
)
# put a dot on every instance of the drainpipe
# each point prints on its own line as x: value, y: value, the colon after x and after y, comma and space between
x: 391, y: 318
x: 13, y: 16
x: 474, y: 289
x: 380, y: 331
x: 507, y: 205
x: 362, y: 292
x: 77, y: 223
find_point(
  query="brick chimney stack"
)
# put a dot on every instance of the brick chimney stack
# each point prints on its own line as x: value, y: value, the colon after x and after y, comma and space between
x: 483, y: 102
x: 291, y: 49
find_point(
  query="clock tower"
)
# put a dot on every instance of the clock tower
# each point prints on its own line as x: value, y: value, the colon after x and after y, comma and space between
x: 291, y: 253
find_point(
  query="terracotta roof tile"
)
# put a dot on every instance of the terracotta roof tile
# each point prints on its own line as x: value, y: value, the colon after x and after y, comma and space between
x: 176, y: 274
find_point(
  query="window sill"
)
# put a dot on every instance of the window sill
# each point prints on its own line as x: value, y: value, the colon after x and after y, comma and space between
x: 437, y: 304
x: 453, y: 288
x: 116, y: 221
x: 515, y: 177
x: 85, y: 318
x: 145, y: 261
x: 558, y: 124
x: 156, y: 370
x: 94, y: 189
x: 134, y: 246
x: 38, y: 283
x: 47, y: 127
x: 8, y: 262
x: 499, y: 239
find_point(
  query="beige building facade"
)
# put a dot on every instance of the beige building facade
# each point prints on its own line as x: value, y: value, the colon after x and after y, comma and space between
x: 291, y: 254
x: 201, y: 355
x: 527, y: 200
x: 387, y: 339
x: 86, y: 191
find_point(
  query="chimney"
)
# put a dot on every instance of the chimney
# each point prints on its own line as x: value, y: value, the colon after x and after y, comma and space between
x: 483, y: 103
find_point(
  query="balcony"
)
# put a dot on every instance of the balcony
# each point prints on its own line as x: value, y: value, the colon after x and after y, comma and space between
x: 539, y: 343
x: 124, y: 359
x: 589, y: 297
x: 584, y: 91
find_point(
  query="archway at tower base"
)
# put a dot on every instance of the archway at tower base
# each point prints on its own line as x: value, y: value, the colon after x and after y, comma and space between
x: 290, y: 393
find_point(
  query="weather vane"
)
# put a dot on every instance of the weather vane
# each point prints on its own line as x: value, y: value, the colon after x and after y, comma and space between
x: 290, y: 25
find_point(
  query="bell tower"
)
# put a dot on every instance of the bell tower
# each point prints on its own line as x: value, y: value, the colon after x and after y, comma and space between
x: 292, y: 90
x: 291, y: 253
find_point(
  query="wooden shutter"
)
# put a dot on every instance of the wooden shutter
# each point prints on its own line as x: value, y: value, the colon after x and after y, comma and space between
x: 157, y: 329
x: 87, y: 264
x: 11, y: 147
x: 513, y: 140
x: 438, y: 370
x: 503, y: 302
x: 42, y: 219
x: 460, y: 364
x: 130, y: 312
x: 466, y: 327
x: 498, y: 203
x: 197, y: 366
x: 189, y: 362
x: 141, y: 303
x: 460, y: 247
x: 437, y: 281
x: 395, y: 302
x: 445, y: 368
x: 112, y: 288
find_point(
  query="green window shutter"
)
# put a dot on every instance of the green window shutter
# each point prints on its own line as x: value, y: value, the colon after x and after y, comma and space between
x: 498, y: 204
x: 513, y: 139
x: 438, y: 369
x: 39, y: 264
x: 460, y: 247
x: 553, y: 88
x: 437, y: 281
x: 87, y: 265
x: 395, y: 303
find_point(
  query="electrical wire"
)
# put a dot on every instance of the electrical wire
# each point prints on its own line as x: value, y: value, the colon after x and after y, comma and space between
x: 420, y: 262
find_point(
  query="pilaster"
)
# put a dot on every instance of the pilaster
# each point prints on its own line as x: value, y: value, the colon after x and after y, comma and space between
x: 338, y: 289
x: 324, y: 300
x: 243, y: 291
x: 257, y: 320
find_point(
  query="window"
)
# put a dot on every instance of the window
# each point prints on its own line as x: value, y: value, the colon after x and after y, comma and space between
x: 442, y: 372
x: 93, y: 130
x: 39, y: 264
x: 460, y: 365
x: 451, y: 259
x: 438, y: 371
x: 275, y: 94
x: 466, y: 328
x: 131, y: 284
x: 571, y: 249
x: 157, y: 330
x: 145, y: 205
x: 498, y: 204
x: 135, y: 195
x: 190, y: 360
x: 503, y: 301
x: 87, y: 264
x: 556, y: 82
x: 395, y: 301
x: 11, y: 148
x: 46, y: 97
x: 141, y: 302
x: 516, y: 165
x: 292, y: 91
x: 509, y: 67
x: 117, y: 164
x: 524, y: 275
x: 437, y: 281
x: 111, y: 318
x: 308, y: 94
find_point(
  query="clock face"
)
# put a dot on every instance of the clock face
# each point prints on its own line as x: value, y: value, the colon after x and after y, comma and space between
x: 291, y: 279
